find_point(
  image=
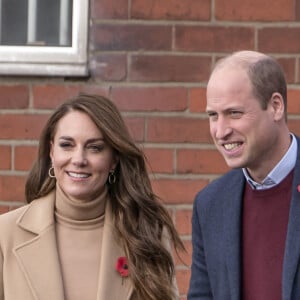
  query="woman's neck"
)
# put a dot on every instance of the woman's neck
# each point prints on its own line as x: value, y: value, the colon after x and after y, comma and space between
x: 80, y: 211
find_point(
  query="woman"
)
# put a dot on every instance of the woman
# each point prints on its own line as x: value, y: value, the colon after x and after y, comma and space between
x: 93, y: 229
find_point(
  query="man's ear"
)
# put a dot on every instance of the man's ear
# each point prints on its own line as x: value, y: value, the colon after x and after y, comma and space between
x: 277, y: 104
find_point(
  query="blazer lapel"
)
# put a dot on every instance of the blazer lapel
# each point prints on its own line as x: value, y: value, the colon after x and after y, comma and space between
x: 292, y: 247
x: 232, y: 208
x: 37, y: 256
x: 111, y: 285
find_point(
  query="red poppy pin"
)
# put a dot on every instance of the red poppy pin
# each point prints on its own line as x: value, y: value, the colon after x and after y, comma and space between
x: 122, y: 267
x: 298, y: 187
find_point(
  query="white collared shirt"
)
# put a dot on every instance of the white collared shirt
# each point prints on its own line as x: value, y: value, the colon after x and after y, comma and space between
x: 279, y: 172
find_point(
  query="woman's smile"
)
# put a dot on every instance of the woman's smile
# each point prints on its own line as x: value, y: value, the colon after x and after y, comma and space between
x: 81, y: 158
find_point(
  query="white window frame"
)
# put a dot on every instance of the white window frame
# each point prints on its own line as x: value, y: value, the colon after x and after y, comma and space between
x: 52, y: 61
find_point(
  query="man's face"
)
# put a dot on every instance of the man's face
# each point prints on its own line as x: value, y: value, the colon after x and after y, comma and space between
x: 243, y: 132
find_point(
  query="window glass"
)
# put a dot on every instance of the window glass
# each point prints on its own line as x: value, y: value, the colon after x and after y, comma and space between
x: 43, y: 37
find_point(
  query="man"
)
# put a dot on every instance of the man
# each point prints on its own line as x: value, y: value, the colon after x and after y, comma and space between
x: 246, y: 224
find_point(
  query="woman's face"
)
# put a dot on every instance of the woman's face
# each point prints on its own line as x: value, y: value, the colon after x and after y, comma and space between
x: 81, y: 157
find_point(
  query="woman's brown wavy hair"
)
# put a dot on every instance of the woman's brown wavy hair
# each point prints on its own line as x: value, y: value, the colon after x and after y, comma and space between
x: 139, y: 216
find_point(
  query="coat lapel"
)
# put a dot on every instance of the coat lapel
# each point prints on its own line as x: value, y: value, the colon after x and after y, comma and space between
x: 111, y: 285
x: 232, y: 209
x: 37, y: 256
x: 292, y: 247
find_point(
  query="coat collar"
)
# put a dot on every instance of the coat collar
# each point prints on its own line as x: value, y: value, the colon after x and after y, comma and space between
x: 37, y: 255
x: 39, y: 215
x: 39, y: 261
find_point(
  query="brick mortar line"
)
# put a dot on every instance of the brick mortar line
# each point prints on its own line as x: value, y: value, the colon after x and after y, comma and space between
x: 11, y: 203
x: 18, y: 142
x: 208, y: 23
x: 177, y: 207
x: 26, y: 111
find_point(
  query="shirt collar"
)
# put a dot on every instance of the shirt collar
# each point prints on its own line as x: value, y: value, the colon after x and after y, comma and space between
x: 279, y: 172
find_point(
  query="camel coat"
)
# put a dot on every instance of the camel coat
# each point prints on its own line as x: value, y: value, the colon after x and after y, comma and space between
x: 29, y: 262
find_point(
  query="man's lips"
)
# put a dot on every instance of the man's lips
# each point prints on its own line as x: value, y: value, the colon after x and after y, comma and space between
x: 231, y: 146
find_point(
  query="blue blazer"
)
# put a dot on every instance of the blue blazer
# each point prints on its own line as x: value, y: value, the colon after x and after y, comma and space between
x: 216, y: 237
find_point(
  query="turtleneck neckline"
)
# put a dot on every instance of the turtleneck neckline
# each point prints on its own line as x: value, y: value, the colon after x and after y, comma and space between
x: 79, y: 211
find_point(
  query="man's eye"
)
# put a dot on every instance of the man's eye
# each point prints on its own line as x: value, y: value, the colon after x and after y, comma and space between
x: 236, y: 114
x: 212, y: 115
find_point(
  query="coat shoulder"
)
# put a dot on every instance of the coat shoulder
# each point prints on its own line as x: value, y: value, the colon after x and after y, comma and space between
x: 12, y: 216
x: 231, y: 182
x: 35, y: 209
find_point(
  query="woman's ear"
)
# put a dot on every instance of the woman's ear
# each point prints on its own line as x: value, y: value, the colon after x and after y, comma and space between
x: 51, y: 150
x: 115, y: 161
x: 277, y: 105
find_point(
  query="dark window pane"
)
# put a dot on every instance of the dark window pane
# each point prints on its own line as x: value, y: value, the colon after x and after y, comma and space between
x: 14, y: 22
x: 50, y: 28
x: 48, y: 22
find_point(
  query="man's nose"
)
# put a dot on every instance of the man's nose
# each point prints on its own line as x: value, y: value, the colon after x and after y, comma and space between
x: 221, y: 128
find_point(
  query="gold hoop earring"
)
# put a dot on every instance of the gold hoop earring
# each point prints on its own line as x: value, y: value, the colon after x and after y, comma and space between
x: 112, y: 177
x: 51, y: 172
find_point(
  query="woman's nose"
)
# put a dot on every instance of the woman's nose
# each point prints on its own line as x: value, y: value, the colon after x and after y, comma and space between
x: 79, y: 157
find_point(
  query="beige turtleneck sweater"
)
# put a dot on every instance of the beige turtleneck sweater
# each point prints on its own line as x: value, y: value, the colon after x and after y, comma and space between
x: 79, y: 230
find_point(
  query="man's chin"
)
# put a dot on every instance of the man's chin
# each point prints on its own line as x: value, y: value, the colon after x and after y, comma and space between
x: 234, y: 164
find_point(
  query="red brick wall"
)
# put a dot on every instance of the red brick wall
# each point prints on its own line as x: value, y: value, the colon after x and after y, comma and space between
x: 153, y: 59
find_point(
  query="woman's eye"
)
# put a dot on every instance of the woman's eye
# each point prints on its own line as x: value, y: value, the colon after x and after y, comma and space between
x: 65, y: 145
x: 96, y: 148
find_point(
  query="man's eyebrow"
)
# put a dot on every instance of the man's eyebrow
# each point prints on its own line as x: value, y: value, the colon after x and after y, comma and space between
x: 225, y: 110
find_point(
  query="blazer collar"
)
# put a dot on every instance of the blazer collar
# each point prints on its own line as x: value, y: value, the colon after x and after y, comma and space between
x: 292, y: 246
x: 233, y: 193
x: 39, y: 261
